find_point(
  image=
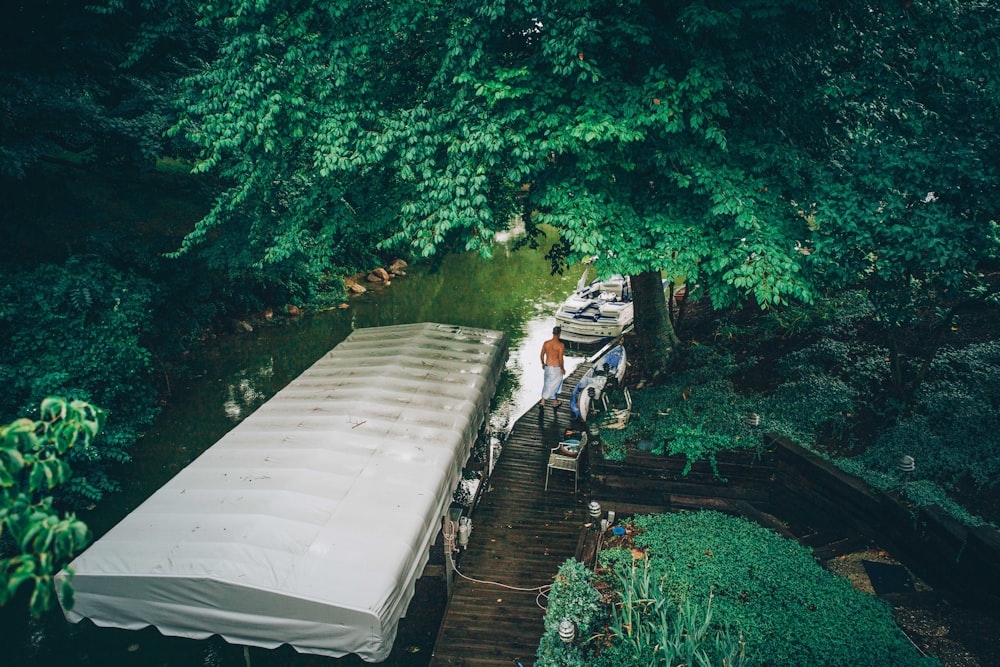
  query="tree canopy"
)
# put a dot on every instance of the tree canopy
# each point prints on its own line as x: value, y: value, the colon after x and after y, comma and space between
x: 634, y: 129
x: 93, y: 83
x: 768, y: 150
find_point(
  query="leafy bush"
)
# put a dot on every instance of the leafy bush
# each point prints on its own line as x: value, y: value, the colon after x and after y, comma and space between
x: 696, y: 412
x: 35, y: 540
x: 716, y: 590
x: 77, y: 330
x: 832, y: 395
x: 790, y: 610
x: 841, y: 315
x: 814, y: 404
x: 572, y: 598
x: 823, y: 387
x: 952, y: 429
x: 960, y: 405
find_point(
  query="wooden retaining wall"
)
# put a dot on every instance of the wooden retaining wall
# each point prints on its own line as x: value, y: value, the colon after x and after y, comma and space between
x: 806, y: 497
x: 654, y: 479
x: 947, y: 554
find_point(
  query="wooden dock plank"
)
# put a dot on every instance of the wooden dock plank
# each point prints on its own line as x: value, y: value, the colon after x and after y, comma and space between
x: 521, y: 535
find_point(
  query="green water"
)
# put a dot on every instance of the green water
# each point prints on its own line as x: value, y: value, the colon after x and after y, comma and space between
x: 513, y: 292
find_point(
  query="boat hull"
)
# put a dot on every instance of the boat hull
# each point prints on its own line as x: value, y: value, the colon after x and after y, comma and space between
x: 597, y: 312
x: 574, y: 331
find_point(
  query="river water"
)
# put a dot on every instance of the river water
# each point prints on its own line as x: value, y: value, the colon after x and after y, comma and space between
x: 512, y: 292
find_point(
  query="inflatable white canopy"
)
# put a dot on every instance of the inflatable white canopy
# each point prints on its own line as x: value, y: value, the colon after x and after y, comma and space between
x: 308, y: 523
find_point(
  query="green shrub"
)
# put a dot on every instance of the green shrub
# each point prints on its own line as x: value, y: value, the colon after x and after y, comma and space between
x: 573, y: 598
x: 960, y: 404
x: 77, y: 330
x: 716, y: 590
x: 952, y: 432
x: 789, y: 609
x: 696, y: 412
x: 832, y: 395
x: 816, y: 404
x: 36, y: 540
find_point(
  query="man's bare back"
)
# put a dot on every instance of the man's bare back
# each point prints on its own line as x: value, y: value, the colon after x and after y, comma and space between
x: 552, y: 352
x: 553, y: 367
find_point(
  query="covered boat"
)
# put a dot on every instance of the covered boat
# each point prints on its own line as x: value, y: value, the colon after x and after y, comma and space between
x: 308, y: 523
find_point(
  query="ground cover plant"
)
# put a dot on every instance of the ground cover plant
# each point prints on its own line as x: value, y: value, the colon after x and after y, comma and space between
x: 704, y: 588
x: 823, y: 378
x: 695, y: 412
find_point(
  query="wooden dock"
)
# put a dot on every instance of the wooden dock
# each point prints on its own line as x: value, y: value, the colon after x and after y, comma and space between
x: 521, y: 535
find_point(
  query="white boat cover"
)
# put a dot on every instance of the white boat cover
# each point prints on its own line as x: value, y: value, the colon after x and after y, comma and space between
x: 308, y: 523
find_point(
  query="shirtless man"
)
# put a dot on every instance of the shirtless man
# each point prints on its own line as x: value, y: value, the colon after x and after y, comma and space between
x: 554, y: 367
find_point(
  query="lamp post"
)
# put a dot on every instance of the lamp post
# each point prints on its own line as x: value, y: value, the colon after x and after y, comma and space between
x: 464, y: 530
x: 906, y: 466
x: 567, y: 631
x: 594, y: 510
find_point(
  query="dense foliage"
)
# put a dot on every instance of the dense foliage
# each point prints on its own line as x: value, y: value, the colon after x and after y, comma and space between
x: 834, y: 395
x: 825, y: 384
x: 764, y: 150
x: 574, y: 598
x: 77, y: 330
x: 695, y: 411
x: 36, y: 540
x: 71, y: 91
x: 749, y: 594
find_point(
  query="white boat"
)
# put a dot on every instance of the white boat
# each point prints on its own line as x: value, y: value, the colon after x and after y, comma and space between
x: 597, y: 311
x: 611, y: 365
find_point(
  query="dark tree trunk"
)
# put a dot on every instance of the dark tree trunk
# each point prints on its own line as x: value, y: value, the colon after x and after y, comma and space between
x: 654, y: 332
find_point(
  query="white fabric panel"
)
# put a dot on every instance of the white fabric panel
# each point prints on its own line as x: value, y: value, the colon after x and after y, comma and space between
x: 308, y: 523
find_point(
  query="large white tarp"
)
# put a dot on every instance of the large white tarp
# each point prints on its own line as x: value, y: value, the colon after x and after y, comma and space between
x: 308, y: 523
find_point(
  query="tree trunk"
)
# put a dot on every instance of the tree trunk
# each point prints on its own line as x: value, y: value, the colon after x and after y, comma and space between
x: 655, y: 335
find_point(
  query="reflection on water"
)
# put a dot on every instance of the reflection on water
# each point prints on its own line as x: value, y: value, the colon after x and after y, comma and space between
x: 245, y: 395
x: 512, y: 292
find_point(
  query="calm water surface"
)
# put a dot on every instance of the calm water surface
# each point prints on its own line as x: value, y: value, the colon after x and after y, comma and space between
x: 512, y: 292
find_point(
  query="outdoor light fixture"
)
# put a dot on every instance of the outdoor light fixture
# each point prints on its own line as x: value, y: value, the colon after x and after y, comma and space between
x: 753, y: 419
x: 907, y: 464
x: 567, y: 630
x: 464, y: 530
x: 594, y: 509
